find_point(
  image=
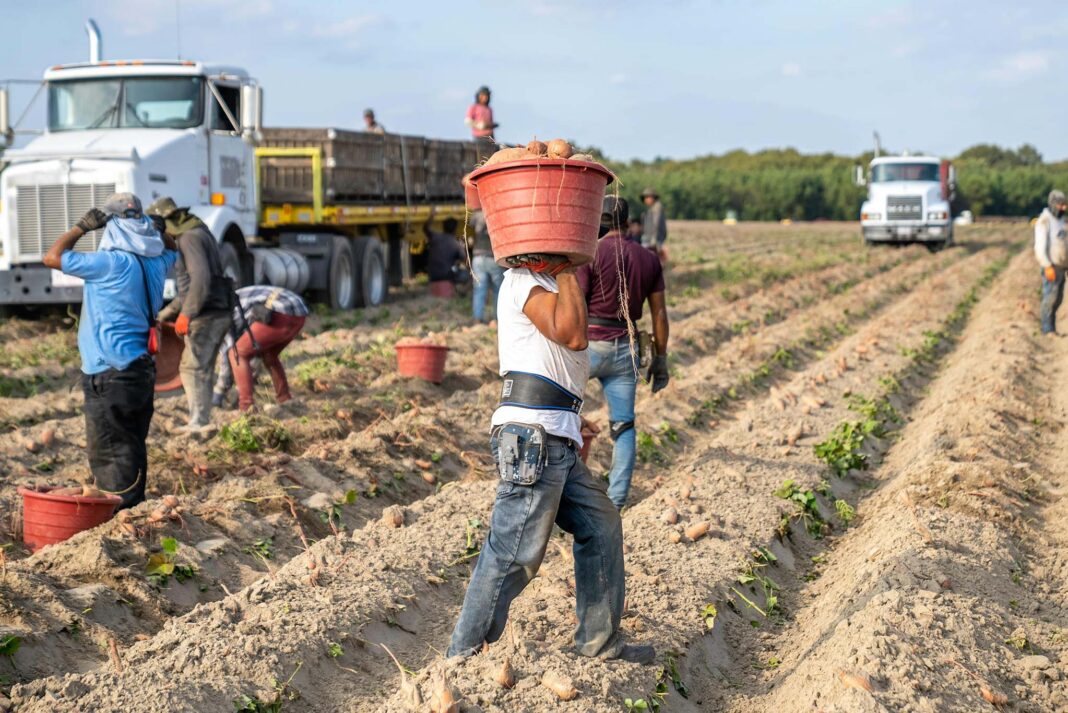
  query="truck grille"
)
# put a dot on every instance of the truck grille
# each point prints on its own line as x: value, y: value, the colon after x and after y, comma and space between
x: 904, y: 208
x: 45, y: 212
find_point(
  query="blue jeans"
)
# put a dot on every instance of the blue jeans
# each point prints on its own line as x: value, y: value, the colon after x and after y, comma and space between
x: 613, y: 363
x: 520, y: 527
x: 1052, y: 296
x: 485, y: 272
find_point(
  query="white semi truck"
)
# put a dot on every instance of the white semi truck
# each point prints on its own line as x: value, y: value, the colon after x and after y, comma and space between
x: 908, y: 200
x: 337, y: 213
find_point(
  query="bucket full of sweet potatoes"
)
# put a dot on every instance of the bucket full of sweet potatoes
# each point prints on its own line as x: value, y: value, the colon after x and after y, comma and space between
x: 541, y: 198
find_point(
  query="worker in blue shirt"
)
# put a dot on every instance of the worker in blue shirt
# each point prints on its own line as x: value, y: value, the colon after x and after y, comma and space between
x: 122, y: 296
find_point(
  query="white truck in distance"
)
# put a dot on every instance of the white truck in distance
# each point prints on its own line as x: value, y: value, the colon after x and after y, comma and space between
x: 908, y: 200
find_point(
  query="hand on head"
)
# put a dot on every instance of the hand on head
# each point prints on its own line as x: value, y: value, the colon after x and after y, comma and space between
x: 552, y: 265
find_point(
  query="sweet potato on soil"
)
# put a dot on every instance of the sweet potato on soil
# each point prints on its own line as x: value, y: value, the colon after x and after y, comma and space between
x: 698, y: 530
x: 505, y: 676
x: 670, y: 516
x: 559, y: 684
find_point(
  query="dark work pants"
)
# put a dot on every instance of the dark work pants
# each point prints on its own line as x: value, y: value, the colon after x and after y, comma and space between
x: 118, y: 410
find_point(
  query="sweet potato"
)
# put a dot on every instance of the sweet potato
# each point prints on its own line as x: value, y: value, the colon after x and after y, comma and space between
x: 445, y: 698
x: 855, y: 680
x: 537, y: 148
x: 48, y: 437
x: 993, y: 697
x: 675, y: 537
x: 505, y: 676
x: 505, y: 155
x: 430, y: 477
x: 670, y: 516
x: 560, y: 684
x: 170, y: 501
x: 393, y: 516
x: 698, y: 530
x: 558, y: 148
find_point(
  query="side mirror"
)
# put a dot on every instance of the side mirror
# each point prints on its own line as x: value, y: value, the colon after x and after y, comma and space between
x: 6, y: 134
x: 251, y: 112
x: 859, y: 178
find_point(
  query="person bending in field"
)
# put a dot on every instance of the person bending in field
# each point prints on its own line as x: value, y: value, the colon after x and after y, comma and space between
x: 444, y: 254
x: 123, y: 293
x: 1051, y: 250
x: 621, y: 278
x: 535, y: 439
x: 268, y: 319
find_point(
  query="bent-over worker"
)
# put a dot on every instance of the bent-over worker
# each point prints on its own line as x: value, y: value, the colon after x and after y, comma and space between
x: 535, y: 439
x: 443, y: 252
x: 122, y: 295
x: 1051, y: 250
x: 202, y: 311
x: 268, y: 319
x: 621, y: 278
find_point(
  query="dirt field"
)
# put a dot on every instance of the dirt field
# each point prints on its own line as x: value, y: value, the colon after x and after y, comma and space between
x: 875, y: 438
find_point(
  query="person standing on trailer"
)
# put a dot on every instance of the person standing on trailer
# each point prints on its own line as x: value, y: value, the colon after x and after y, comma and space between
x: 535, y: 439
x: 480, y: 119
x: 484, y: 269
x: 1051, y: 250
x: 268, y: 319
x: 370, y: 124
x: 622, y: 277
x: 654, y: 223
x: 202, y: 311
x: 123, y: 293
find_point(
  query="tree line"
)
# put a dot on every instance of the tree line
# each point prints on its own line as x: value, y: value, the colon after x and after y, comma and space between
x: 783, y: 183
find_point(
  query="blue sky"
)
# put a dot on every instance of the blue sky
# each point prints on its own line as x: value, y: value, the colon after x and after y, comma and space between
x: 639, y: 79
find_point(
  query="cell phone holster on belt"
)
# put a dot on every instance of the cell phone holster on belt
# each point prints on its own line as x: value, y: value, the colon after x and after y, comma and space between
x: 521, y: 453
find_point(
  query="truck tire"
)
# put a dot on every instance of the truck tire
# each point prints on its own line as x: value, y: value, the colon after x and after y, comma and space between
x: 935, y: 247
x: 341, y: 290
x: 372, y: 282
x: 231, y: 264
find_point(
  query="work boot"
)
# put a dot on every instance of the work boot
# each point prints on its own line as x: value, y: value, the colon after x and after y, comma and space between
x: 634, y: 653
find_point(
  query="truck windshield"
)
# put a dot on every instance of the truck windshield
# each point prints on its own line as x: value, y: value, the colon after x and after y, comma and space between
x: 148, y: 102
x: 886, y: 172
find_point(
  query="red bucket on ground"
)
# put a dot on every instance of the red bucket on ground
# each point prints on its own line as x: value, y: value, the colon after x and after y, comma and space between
x: 547, y: 205
x: 426, y: 361
x: 442, y: 289
x: 48, y: 519
x: 168, y: 359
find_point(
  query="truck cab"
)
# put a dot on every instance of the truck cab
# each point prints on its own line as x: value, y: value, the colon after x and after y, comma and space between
x: 908, y: 201
x: 154, y: 128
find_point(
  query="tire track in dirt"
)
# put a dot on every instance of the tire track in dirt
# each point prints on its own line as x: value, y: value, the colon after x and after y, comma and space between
x: 929, y: 604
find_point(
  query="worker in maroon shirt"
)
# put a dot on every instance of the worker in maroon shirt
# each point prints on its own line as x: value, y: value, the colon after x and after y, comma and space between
x: 623, y: 268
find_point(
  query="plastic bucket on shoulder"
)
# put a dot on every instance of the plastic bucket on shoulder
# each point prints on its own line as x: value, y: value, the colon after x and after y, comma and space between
x: 48, y: 519
x: 545, y: 205
x: 425, y: 361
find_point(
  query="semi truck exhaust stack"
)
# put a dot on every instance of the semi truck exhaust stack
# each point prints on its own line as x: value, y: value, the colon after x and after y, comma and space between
x: 95, y: 43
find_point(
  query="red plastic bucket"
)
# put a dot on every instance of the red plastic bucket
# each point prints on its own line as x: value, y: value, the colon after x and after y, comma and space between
x: 471, y: 196
x: 168, y: 359
x: 443, y: 289
x: 427, y: 361
x: 48, y: 519
x: 548, y: 205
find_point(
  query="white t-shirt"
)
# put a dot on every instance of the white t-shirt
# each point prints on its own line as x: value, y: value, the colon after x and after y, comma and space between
x: 523, y: 348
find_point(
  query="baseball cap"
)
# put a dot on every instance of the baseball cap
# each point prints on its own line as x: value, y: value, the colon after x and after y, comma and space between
x: 123, y: 205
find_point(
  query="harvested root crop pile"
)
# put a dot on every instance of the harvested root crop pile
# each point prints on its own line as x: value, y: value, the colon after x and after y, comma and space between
x: 556, y: 149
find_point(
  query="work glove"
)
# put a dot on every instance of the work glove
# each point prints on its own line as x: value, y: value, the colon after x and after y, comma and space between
x: 1051, y: 273
x: 658, y: 372
x: 551, y: 265
x: 159, y: 223
x: 181, y: 325
x: 93, y: 220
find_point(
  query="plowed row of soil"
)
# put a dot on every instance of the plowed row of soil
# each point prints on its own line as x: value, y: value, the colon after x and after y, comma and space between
x: 748, y: 370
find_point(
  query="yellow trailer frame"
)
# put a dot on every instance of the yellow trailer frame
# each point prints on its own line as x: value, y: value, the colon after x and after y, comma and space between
x: 344, y: 215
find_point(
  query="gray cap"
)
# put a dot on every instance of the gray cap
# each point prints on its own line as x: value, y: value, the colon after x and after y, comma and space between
x: 124, y: 205
x: 614, y: 212
x: 1056, y: 200
x: 650, y: 193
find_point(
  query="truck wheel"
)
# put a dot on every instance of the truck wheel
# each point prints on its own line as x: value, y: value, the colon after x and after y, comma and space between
x: 372, y: 283
x: 935, y: 247
x: 231, y: 264
x: 341, y: 288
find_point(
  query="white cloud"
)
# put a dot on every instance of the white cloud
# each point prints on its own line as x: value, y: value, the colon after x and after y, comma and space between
x: 791, y: 69
x: 1020, y: 66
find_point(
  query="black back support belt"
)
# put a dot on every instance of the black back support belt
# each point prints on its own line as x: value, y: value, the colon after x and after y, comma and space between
x: 606, y: 322
x: 537, y: 392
